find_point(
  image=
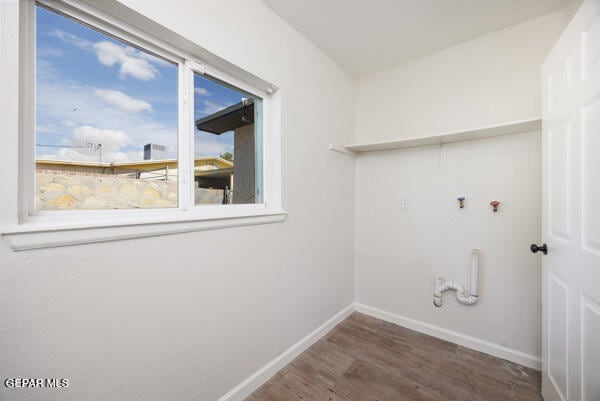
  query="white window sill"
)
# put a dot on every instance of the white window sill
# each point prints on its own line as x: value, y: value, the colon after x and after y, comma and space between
x: 45, y: 232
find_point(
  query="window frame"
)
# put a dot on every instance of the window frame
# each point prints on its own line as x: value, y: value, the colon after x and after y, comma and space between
x: 39, y: 229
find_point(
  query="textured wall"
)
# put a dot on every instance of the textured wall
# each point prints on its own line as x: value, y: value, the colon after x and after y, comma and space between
x: 189, y: 316
x: 489, y: 80
x: 493, y: 79
x: 400, y: 251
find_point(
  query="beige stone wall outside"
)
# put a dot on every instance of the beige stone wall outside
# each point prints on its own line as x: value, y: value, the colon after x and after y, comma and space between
x: 89, y: 191
x: 64, y: 191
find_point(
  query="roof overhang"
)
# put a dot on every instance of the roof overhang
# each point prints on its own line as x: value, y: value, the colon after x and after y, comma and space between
x: 231, y: 118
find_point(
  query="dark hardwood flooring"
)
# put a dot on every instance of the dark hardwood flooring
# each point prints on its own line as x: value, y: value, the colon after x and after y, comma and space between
x: 366, y: 359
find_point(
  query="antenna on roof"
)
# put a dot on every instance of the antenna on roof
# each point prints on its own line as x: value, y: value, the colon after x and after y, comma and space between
x: 96, y: 147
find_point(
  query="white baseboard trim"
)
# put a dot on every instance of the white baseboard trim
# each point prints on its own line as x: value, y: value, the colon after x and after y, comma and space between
x: 248, y: 386
x: 499, y: 351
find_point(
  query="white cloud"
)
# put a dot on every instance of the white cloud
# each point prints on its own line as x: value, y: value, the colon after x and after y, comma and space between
x: 89, y: 156
x: 68, y: 104
x: 70, y: 38
x: 134, y: 155
x: 211, y: 107
x: 83, y: 143
x: 129, y: 59
x: 155, y: 59
x: 111, y: 140
x: 123, y: 101
x: 201, y: 91
x: 49, y: 128
x: 213, y: 149
x: 48, y: 52
x: 138, y: 64
x: 207, y: 144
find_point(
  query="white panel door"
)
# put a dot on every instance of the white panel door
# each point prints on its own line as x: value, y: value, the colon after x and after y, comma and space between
x: 571, y: 212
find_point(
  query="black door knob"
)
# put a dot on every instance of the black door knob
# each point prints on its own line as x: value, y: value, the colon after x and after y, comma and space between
x: 534, y: 248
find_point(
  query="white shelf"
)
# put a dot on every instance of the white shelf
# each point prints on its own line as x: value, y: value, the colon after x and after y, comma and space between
x: 479, y: 133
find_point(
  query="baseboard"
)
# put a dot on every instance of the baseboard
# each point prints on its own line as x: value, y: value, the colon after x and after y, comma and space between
x: 499, y: 351
x: 248, y: 386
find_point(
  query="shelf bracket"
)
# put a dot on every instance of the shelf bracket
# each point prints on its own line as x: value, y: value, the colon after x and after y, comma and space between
x: 343, y: 151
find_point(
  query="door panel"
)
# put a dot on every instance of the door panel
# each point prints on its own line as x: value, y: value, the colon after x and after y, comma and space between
x: 559, y: 80
x: 558, y: 144
x: 571, y: 212
x: 590, y: 349
x: 590, y: 140
x: 557, y: 340
x: 590, y: 39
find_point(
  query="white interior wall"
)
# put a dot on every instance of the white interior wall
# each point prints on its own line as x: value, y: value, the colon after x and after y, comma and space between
x: 184, y: 317
x: 490, y: 80
x: 572, y: 7
x: 189, y: 316
x: 487, y: 81
x: 400, y: 251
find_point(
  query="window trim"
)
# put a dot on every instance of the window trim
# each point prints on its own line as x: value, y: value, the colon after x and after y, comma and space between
x: 40, y: 229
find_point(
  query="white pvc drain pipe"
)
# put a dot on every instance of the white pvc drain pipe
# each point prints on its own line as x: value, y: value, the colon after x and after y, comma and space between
x: 440, y: 286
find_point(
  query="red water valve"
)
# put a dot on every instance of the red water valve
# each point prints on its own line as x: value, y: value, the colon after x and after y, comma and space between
x: 494, y: 205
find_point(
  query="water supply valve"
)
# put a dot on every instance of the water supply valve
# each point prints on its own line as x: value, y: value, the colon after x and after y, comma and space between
x: 461, y: 201
x: 494, y: 205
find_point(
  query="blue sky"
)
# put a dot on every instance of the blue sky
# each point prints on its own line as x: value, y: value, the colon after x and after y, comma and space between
x: 91, y: 88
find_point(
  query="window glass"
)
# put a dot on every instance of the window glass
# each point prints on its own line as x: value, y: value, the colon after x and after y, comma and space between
x: 227, y: 144
x: 106, y: 120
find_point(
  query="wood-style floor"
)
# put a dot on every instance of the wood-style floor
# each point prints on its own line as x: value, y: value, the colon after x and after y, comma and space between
x: 366, y: 359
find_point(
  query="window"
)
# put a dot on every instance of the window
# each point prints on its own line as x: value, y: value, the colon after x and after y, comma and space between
x: 227, y: 166
x: 122, y: 129
x: 106, y: 126
x: 106, y: 120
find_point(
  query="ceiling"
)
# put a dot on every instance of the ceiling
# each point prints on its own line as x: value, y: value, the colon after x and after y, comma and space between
x: 366, y: 36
